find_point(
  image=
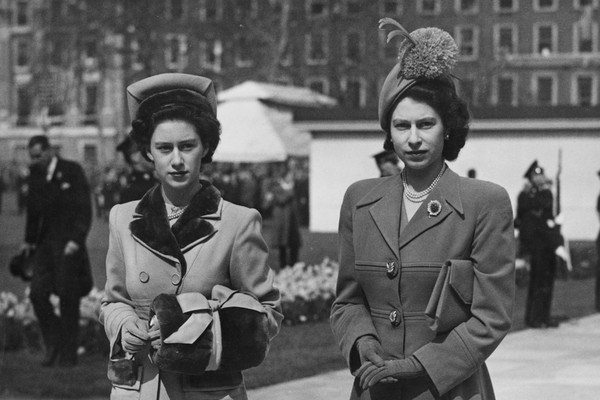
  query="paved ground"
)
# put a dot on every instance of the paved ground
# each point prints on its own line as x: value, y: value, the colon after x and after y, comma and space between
x: 533, y: 364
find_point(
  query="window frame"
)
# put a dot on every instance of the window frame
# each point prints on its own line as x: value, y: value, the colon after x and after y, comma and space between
x: 499, y: 10
x: 575, y: 88
x: 308, y: 48
x: 536, y: 38
x: 435, y: 12
x: 204, y: 51
x: 399, y: 7
x: 307, y: 9
x: 576, y: 38
x: 534, y: 86
x: 346, y: 45
x: 362, y: 100
x: 218, y: 11
x: 459, y: 41
x: 182, y: 53
x: 460, y: 11
x: 514, y: 101
x: 515, y: 38
x: 539, y: 9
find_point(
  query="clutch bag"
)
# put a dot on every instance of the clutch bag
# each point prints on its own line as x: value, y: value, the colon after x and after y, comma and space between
x: 452, y: 296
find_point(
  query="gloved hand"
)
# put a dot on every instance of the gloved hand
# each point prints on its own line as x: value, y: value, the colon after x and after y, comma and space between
x: 369, y: 349
x: 134, y: 335
x: 407, y: 368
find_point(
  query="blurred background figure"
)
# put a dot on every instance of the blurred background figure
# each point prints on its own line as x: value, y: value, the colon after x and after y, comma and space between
x: 22, y: 188
x: 539, y: 239
x: 2, y: 188
x: 281, y: 200
x: 59, y: 217
x: 388, y: 163
x: 138, y: 178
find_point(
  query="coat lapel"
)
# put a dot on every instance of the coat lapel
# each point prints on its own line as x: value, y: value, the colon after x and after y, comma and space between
x: 447, y: 194
x: 150, y: 225
x: 386, y: 202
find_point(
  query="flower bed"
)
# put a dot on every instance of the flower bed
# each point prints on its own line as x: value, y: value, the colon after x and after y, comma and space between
x: 307, y: 292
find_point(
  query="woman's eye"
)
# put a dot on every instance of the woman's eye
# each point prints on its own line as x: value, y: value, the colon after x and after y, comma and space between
x: 164, y: 149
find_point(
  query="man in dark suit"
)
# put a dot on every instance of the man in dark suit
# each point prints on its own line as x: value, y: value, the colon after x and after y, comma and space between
x: 58, y: 221
x: 540, y: 238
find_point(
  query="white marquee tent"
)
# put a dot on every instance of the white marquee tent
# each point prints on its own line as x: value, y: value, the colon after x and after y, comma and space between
x: 257, y: 122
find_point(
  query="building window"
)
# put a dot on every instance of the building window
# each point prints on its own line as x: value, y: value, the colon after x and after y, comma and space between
x: 317, y: 49
x: 22, y: 13
x: 429, y: 7
x: 243, y: 51
x: 91, y: 100
x: 506, y: 90
x: 286, y: 57
x: 505, y: 40
x: 56, y: 52
x: 318, y: 84
x: 245, y: 9
x: 316, y: 8
x: 353, y: 7
x: 544, y: 39
x: 354, y: 93
x: 506, y: 6
x: 585, y: 34
x: 544, y: 89
x: 466, y: 6
x: 175, y: 9
x: 585, y: 91
x: 466, y: 89
x: 90, y: 154
x: 22, y: 50
x: 90, y: 48
x: 390, y: 7
x: 582, y: 4
x: 211, y: 52
x: 353, y: 47
x: 545, y: 5
x: 23, y: 105
x: 135, y: 54
x: 467, y: 39
x: 211, y: 10
x: 176, y: 52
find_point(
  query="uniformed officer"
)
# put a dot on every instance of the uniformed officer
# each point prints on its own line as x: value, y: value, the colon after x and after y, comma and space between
x: 540, y: 238
x: 140, y: 177
x: 388, y: 163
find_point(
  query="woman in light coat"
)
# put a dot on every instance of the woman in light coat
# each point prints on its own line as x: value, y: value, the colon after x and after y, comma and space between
x: 181, y: 237
x: 396, y: 232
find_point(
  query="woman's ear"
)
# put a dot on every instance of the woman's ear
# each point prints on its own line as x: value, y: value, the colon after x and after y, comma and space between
x: 205, y: 151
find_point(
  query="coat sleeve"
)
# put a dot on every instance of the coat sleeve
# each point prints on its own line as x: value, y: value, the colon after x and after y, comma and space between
x: 350, y: 318
x: 451, y: 358
x: 250, y: 271
x: 116, y: 306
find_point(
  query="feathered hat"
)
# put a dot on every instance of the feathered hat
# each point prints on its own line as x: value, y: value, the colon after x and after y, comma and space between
x: 424, y: 54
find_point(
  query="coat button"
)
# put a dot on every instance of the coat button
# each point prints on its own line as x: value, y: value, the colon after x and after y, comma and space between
x: 144, y: 277
x: 391, y: 269
x: 395, y: 318
x: 175, y: 279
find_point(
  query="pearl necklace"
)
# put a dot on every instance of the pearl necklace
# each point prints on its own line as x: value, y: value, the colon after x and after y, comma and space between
x: 176, y: 212
x: 419, y: 196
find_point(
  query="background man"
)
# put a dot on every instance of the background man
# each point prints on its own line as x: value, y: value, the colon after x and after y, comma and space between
x: 387, y: 163
x: 539, y: 238
x: 58, y: 221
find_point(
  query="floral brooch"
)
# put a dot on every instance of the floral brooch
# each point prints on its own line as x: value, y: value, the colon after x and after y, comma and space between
x: 434, y: 208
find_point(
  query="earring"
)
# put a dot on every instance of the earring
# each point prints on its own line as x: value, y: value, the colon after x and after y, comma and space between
x: 447, y: 136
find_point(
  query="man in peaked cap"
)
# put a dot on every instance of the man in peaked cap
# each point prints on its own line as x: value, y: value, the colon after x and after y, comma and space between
x: 140, y: 176
x: 539, y: 238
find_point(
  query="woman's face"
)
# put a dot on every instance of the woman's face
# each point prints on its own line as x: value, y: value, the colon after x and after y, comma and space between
x: 418, y: 135
x: 177, y: 152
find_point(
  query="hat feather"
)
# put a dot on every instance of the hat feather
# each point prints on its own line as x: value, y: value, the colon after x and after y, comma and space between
x: 399, y: 31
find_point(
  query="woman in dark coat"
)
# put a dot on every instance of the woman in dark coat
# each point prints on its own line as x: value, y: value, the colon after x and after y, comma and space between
x: 178, y: 256
x: 397, y: 232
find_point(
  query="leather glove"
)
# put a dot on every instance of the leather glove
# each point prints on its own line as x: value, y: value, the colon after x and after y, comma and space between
x: 407, y: 368
x: 134, y: 335
x: 369, y: 349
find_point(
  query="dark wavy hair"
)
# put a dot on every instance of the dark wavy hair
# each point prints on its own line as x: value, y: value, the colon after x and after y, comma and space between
x: 200, y: 116
x: 451, y: 108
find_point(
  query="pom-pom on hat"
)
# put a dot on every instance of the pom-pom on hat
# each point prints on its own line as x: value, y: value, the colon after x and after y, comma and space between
x: 424, y: 54
x: 157, y: 91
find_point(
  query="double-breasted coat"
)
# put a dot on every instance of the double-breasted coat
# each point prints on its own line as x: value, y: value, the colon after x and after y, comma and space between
x: 213, y: 243
x: 386, y: 278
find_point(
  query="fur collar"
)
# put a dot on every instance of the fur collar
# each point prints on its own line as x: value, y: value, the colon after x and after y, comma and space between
x: 150, y: 223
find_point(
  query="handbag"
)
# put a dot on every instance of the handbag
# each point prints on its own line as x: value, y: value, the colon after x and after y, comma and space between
x: 452, y: 296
